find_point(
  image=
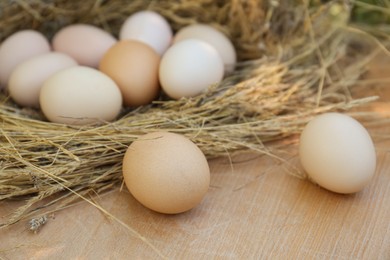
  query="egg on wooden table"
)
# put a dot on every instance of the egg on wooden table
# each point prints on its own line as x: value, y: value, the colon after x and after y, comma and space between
x: 20, y: 47
x: 28, y: 77
x: 166, y: 172
x: 337, y: 153
x: 80, y: 95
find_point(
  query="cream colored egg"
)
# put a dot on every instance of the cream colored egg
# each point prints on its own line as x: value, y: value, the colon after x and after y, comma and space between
x: 337, y: 152
x: 166, y: 172
x: 80, y: 95
x: 148, y: 27
x: 83, y: 42
x: 215, y: 38
x: 189, y: 67
x: 20, y: 47
x: 28, y: 77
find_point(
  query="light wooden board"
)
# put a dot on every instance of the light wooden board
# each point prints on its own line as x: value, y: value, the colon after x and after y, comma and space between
x: 253, y: 210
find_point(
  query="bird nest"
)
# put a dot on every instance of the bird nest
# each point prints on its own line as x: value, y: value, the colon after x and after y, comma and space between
x: 295, y: 61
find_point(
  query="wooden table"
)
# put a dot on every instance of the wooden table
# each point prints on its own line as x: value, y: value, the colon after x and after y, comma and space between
x: 254, y: 209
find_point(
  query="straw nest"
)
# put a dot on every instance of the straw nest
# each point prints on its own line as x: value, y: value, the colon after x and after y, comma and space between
x: 295, y: 62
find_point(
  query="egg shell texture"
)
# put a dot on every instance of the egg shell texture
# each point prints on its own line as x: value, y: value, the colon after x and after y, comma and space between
x: 166, y: 172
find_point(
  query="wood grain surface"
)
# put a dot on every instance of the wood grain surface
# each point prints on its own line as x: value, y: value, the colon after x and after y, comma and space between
x: 253, y: 210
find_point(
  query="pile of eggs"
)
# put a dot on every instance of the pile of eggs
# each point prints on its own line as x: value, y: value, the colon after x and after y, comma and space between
x: 86, y: 75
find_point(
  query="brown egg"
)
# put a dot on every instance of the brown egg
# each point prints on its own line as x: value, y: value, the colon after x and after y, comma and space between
x: 133, y: 65
x: 166, y: 172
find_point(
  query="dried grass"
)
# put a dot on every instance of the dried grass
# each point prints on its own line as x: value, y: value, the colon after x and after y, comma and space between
x: 295, y: 62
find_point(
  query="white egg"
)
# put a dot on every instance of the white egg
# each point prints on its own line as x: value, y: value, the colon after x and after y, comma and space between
x: 28, y: 77
x: 189, y: 67
x: 20, y: 47
x: 337, y: 153
x: 148, y: 27
x: 212, y: 36
x: 79, y: 96
x: 83, y: 42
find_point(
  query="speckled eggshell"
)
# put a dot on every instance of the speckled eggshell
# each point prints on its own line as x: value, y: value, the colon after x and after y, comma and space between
x: 166, y: 172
